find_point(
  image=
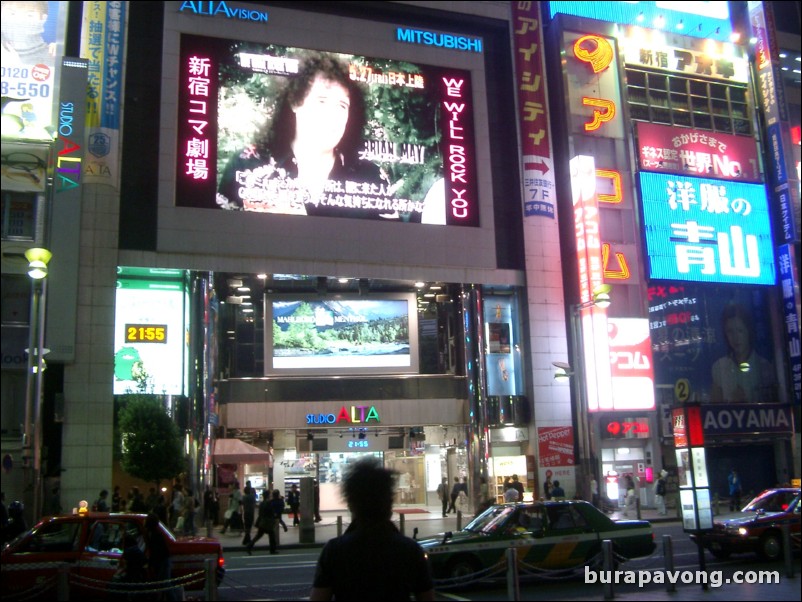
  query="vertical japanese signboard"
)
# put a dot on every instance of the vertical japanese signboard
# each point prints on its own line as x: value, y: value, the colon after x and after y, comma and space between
x: 102, y: 43
x: 538, y: 165
x: 787, y: 268
x: 694, y: 488
x: 774, y: 107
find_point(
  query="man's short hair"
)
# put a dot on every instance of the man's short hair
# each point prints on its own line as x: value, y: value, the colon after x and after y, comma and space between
x: 369, y: 488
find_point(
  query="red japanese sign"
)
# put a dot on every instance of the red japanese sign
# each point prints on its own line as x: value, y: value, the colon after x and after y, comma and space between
x: 697, y: 153
x: 555, y: 445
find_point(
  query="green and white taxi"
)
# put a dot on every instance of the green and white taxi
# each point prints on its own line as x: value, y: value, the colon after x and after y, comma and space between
x: 546, y: 534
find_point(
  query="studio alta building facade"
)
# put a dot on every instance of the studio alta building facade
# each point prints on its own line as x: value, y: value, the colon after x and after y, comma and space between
x: 414, y: 302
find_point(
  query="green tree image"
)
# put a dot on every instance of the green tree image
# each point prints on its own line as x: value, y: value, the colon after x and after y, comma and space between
x: 150, y: 440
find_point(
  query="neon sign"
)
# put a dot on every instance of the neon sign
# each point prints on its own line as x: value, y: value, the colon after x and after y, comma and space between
x: 614, y: 178
x: 68, y: 164
x: 599, y: 57
x: 456, y: 158
x: 704, y: 230
x: 623, y: 273
x: 212, y: 9
x: 441, y: 40
x: 615, y: 428
x: 607, y: 112
x: 354, y: 415
x: 196, y: 150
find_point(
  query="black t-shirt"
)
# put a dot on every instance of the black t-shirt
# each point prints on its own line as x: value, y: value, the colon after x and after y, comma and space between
x: 254, y: 182
x: 373, y: 562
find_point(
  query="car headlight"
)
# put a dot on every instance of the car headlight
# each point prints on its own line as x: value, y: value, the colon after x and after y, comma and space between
x: 737, y: 530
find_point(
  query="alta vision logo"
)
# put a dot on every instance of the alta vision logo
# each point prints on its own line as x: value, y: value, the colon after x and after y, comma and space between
x: 213, y: 9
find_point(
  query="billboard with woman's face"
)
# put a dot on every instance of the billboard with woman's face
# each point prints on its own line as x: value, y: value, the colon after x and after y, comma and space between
x: 275, y: 129
x: 713, y: 344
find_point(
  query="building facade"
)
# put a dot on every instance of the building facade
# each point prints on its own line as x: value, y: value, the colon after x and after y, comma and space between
x: 413, y: 302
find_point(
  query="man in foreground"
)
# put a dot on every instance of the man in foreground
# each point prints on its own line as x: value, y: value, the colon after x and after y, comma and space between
x: 371, y: 560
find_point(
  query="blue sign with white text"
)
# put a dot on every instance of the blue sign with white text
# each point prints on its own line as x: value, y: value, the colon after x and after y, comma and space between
x: 703, y: 230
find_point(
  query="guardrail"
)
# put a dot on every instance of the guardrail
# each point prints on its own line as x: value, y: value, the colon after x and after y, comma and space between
x: 64, y: 580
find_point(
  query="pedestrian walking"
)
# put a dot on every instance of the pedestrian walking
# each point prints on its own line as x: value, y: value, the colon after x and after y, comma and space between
x: 630, y: 496
x: 547, y: 487
x: 160, y: 565
x: 278, y: 505
x: 511, y: 495
x: 594, y: 492
x: 102, y: 504
x: 176, y: 505
x: 191, y: 506
x: 442, y: 493
x: 116, y: 499
x: 455, y: 489
x: 294, y: 502
x: 266, y: 523
x: 249, y: 501
x: 372, y: 560
x: 233, y: 518
x: 209, y: 510
x: 557, y: 492
x: 660, y: 493
x: 518, y: 486
x: 734, y: 483
x: 317, y: 502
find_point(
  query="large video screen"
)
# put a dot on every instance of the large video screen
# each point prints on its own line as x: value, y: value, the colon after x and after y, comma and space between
x: 274, y: 129
x: 150, y: 336
x: 314, y: 335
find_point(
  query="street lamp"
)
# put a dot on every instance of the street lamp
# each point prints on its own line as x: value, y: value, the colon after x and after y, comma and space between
x: 579, y: 413
x: 38, y: 258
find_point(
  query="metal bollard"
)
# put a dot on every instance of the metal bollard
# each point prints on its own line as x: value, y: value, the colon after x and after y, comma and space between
x: 339, y: 526
x: 788, y: 553
x: 459, y: 520
x: 402, y: 524
x: 513, y: 587
x: 210, y: 584
x: 637, y: 508
x: 668, y: 558
x: 63, y: 582
x: 608, y: 565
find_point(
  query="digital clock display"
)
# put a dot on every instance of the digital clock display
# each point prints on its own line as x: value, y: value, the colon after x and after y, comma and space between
x: 360, y: 443
x: 146, y: 333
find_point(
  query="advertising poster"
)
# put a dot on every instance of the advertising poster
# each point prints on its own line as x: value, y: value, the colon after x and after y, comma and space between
x: 555, y: 445
x: 103, y: 41
x: 701, y: 335
x: 33, y: 36
x: 274, y: 129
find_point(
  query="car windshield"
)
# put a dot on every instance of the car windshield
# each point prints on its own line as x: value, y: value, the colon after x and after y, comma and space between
x: 772, y: 501
x: 491, y: 520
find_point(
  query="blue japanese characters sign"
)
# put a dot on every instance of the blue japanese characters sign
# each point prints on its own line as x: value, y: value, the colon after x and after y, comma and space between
x: 790, y: 292
x: 704, y: 230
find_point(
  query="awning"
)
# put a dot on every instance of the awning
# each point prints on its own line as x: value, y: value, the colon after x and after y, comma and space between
x: 234, y: 451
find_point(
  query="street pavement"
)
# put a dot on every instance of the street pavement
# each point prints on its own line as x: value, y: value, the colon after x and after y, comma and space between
x: 429, y: 521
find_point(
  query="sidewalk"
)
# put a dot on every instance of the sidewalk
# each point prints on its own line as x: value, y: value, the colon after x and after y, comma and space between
x: 428, y: 521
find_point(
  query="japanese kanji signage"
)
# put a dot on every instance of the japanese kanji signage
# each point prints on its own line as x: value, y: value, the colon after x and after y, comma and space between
x: 696, y: 152
x: 538, y: 165
x: 698, y: 229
